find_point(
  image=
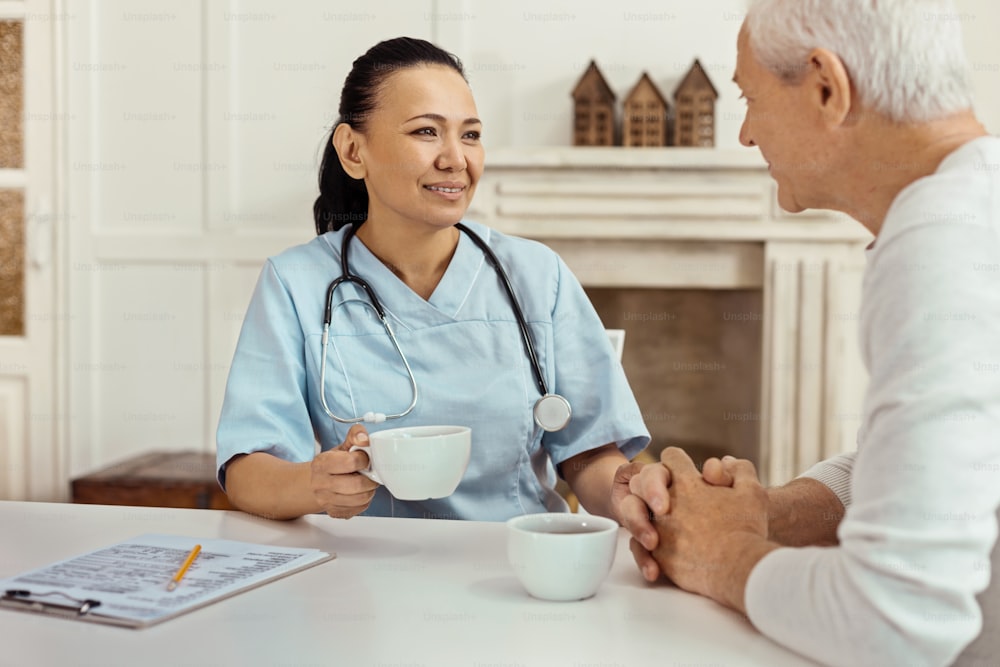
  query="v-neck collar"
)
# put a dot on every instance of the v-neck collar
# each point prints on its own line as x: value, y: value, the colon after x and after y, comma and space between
x: 449, y: 295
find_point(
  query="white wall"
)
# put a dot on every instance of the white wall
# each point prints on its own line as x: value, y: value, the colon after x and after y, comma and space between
x: 193, y: 129
x: 980, y: 20
x: 524, y: 57
x: 192, y: 133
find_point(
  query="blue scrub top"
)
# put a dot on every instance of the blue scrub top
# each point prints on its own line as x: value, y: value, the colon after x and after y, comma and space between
x: 466, y: 353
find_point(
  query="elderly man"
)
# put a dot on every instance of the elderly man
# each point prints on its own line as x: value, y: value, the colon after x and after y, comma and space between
x: 872, y: 558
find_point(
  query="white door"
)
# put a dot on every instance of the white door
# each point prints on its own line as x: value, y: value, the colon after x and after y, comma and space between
x: 30, y: 460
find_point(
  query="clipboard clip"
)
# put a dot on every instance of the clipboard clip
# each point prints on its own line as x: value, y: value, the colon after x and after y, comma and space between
x: 24, y: 597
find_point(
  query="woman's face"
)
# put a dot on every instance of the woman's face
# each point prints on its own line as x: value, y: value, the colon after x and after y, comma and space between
x: 421, y: 148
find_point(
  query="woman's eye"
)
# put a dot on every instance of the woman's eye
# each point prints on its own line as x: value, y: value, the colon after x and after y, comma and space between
x: 473, y: 135
x: 426, y: 131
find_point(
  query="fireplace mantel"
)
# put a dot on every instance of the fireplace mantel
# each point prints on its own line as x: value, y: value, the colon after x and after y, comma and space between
x: 704, y: 195
x: 679, y: 218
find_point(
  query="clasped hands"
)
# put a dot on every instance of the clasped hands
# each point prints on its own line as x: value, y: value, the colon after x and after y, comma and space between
x: 704, y: 530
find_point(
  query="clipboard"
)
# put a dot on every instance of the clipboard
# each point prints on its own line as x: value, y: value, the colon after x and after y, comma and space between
x: 125, y: 584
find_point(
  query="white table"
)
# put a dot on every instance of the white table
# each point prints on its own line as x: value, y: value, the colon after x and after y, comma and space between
x: 401, y: 593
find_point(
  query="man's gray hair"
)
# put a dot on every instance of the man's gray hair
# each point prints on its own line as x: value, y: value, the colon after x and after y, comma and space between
x: 905, y: 57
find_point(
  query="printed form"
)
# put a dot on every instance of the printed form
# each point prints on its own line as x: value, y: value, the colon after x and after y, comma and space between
x: 129, y: 580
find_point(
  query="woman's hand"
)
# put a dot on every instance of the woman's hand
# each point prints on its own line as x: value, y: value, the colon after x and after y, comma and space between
x: 639, y: 487
x: 340, y: 490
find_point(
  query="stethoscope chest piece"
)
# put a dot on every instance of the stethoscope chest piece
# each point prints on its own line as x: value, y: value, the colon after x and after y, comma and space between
x: 552, y: 412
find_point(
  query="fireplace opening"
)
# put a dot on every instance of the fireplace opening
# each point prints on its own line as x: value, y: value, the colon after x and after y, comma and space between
x: 693, y: 359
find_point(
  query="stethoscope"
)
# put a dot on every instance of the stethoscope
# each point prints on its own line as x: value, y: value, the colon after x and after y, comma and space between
x: 551, y: 411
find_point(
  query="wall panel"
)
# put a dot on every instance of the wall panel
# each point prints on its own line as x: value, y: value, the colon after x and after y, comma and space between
x: 283, y: 69
x: 145, y: 115
x: 149, y: 362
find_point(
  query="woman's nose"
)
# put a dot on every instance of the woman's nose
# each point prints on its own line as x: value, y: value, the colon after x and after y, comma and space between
x: 452, y: 157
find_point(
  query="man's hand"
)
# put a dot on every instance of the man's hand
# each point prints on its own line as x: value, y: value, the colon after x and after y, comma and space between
x: 650, y: 501
x: 711, y: 536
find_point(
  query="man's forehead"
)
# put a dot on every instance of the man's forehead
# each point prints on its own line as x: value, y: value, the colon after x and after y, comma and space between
x: 745, y: 58
x: 742, y: 42
x: 743, y: 38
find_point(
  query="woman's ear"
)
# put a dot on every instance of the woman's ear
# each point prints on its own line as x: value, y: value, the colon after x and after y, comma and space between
x: 347, y: 142
x: 832, y: 85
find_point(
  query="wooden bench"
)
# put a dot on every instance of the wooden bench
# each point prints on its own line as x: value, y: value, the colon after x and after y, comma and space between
x: 155, y: 479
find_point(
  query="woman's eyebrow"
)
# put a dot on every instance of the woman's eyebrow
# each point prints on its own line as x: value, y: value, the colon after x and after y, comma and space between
x: 441, y: 119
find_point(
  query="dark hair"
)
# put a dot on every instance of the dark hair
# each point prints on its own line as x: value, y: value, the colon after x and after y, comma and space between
x: 342, y: 199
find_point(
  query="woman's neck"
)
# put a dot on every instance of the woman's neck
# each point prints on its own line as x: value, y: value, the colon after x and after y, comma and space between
x: 419, y: 256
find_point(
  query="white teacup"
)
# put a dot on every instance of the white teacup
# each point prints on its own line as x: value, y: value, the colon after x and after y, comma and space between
x: 561, y: 557
x: 418, y: 462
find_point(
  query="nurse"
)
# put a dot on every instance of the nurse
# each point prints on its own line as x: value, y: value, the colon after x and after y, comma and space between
x: 398, y: 174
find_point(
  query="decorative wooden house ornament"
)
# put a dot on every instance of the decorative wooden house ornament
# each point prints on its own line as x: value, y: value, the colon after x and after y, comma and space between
x: 594, y: 110
x: 694, y: 103
x: 646, y: 113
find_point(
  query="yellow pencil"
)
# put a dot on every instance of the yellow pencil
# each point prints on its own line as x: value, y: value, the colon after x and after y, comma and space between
x: 184, y: 568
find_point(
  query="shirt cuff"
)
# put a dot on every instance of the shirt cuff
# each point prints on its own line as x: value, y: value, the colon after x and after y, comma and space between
x: 834, y: 473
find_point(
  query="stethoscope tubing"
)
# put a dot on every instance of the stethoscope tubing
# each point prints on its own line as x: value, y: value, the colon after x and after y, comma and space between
x: 521, y: 323
x: 374, y: 303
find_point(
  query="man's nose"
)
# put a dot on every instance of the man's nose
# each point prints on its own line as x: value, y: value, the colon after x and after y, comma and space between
x: 745, y: 134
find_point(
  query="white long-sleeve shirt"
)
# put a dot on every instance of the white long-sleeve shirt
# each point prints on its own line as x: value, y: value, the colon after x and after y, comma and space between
x: 923, y: 490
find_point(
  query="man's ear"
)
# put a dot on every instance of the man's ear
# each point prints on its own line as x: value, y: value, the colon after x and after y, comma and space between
x: 348, y: 145
x: 831, y: 83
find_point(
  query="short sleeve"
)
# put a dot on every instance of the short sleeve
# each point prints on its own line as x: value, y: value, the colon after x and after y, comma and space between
x: 265, y: 406
x: 587, y: 372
